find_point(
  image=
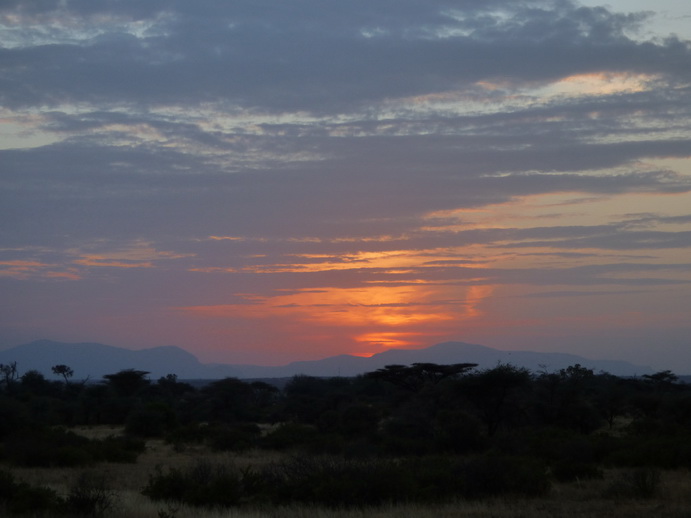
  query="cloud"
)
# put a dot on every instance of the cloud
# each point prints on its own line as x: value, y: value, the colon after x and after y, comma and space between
x: 585, y: 293
x: 76, y: 263
x: 404, y: 166
x: 310, y: 56
x: 25, y: 269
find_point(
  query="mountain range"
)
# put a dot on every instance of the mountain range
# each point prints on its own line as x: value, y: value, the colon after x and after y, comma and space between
x: 93, y: 361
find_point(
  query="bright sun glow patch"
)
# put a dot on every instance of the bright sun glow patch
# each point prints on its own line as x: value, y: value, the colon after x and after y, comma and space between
x: 386, y: 340
x: 380, y: 316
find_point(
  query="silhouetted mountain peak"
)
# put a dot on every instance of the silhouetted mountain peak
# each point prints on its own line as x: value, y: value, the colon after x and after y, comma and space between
x: 95, y: 360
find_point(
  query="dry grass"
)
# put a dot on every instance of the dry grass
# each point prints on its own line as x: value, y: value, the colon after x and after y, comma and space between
x: 98, y: 432
x: 133, y: 477
x: 580, y: 499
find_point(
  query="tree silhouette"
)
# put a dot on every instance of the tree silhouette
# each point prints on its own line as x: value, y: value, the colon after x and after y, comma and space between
x: 128, y: 382
x: 499, y: 394
x: 9, y: 375
x: 417, y: 375
x: 64, y: 371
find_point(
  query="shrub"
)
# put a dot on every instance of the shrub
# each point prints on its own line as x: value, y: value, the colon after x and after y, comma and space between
x: 59, y: 447
x: 659, y: 451
x: 359, y: 419
x: 152, y: 420
x: 203, y: 484
x: 640, y: 483
x: 236, y: 437
x: 493, y: 475
x: 569, y: 471
x: 72, y: 456
x: 33, y: 500
x: 7, y: 485
x: 43, y: 447
x: 458, y: 432
x: 118, y: 449
x: 13, y: 416
x: 290, y: 435
x: 22, y: 498
x: 90, y: 496
x: 337, y: 482
x: 194, y: 433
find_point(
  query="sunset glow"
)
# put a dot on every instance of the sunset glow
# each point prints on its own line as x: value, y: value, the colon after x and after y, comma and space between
x: 404, y: 310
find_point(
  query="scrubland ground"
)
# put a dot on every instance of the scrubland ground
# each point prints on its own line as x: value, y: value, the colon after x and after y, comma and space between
x: 591, y: 498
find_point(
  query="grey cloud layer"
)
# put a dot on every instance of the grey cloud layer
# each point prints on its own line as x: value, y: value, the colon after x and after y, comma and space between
x: 175, y: 121
x: 313, y: 55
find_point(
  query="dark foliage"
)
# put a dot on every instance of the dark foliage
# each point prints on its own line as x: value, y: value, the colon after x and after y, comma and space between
x: 338, y: 482
x: 418, y: 375
x: 153, y: 419
x: 235, y: 437
x: 50, y: 447
x: 423, y: 433
x: 89, y: 496
x: 20, y: 498
x: 642, y: 483
x: 290, y: 435
x: 203, y: 484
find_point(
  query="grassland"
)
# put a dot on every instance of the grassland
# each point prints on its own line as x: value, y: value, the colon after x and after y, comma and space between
x: 592, y: 498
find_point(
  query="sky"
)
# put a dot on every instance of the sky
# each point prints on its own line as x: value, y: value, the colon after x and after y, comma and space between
x: 265, y: 181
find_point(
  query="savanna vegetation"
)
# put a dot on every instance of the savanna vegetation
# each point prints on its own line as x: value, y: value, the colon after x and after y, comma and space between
x: 447, y: 440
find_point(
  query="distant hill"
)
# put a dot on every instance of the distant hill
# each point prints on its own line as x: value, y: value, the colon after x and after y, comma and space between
x: 94, y: 360
x: 443, y: 353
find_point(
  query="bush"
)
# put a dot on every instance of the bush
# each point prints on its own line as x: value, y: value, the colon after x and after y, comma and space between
x: 359, y: 420
x: 640, y: 483
x: 236, y: 437
x: 336, y: 482
x: 118, y: 449
x: 570, y: 471
x: 59, y: 447
x: 203, y: 484
x: 458, y: 432
x: 72, y: 456
x: 193, y: 433
x: 48, y: 447
x: 13, y: 416
x: 152, y: 420
x: 493, y: 475
x: 654, y: 451
x: 22, y: 498
x: 340, y: 482
x: 90, y: 496
x: 290, y: 435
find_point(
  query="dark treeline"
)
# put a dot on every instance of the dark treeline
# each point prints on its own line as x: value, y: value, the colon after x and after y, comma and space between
x: 563, y: 425
x: 417, y: 409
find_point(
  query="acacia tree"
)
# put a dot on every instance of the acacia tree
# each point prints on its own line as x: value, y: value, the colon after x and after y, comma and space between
x: 64, y: 371
x: 568, y: 398
x: 34, y: 382
x: 128, y: 382
x: 417, y: 375
x: 499, y: 395
x: 228, y: 400
x: 9, y: 374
